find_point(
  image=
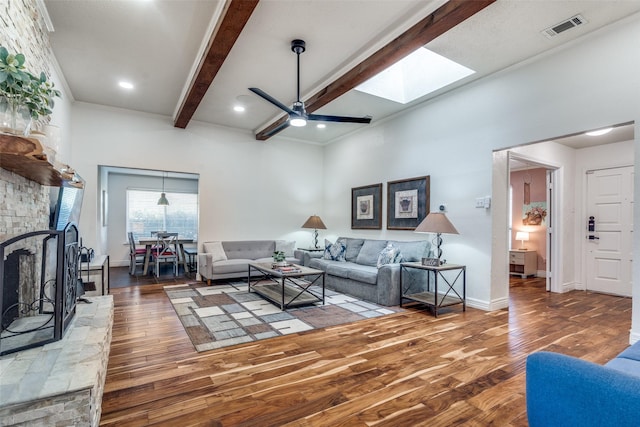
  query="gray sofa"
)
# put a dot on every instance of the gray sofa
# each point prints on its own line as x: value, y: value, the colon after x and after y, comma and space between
x: 225, y: 260
x: 358, y: 275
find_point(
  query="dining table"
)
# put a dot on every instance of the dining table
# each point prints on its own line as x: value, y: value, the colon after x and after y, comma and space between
x: 179, y: 243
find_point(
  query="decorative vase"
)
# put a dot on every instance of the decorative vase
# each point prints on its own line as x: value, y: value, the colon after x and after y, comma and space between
x: 15, y: 118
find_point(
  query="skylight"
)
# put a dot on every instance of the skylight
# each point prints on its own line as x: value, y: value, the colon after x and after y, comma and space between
x: 416, y: 75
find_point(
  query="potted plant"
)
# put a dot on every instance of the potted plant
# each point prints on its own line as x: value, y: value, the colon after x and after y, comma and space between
x: 23, y: 96
x: 279, y: 258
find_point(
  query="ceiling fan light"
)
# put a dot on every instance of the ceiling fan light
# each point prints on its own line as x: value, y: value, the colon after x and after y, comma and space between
x: 297, y: 121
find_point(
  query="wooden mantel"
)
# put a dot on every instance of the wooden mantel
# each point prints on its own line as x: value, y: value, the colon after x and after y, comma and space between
x: 26, y: 157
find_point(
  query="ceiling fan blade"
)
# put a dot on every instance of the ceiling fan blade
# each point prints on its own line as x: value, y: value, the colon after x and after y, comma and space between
x: 342, y: 119
x: 271, y: 99
x: 277, y: 129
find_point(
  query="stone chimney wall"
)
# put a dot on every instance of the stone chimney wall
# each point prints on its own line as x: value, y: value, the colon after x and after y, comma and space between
x: 24, y: 204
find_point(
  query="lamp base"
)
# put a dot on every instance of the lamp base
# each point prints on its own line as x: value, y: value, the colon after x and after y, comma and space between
x: 315, y: 239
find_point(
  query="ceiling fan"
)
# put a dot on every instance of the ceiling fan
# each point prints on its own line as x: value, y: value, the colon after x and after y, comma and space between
x: 297, y: 114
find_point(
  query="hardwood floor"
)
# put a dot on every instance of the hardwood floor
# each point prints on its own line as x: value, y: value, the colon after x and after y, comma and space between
x: 406, y: 369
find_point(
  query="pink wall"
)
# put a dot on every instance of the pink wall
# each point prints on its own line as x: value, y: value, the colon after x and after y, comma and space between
x: 537, y: 193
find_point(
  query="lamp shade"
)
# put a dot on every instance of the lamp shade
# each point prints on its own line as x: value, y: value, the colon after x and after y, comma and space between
x: 315, y: 222
x: 162, y: 201
x: 522, y: 235
x: 436, y: 222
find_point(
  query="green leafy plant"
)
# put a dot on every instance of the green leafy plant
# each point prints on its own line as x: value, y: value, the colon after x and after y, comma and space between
x: 279, y: 256
x: 40, y: 101
x: 21, y: 88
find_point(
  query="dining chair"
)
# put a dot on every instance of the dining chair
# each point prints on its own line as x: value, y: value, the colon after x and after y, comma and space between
x: 165, y: 251
x: 136, y: 255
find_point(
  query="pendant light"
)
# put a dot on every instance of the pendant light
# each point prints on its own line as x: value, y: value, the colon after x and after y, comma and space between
x: 162, y: 201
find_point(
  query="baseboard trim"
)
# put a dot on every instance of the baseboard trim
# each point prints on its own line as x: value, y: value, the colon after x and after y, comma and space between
x: 494, y: 305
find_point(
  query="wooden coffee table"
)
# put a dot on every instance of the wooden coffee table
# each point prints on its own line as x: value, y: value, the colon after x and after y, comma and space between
x: 284, y: 288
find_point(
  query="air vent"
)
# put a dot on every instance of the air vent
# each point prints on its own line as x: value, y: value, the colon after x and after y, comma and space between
x: 565, y: 25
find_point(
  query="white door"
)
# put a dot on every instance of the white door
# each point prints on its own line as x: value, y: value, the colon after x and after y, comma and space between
x: 609, y: 255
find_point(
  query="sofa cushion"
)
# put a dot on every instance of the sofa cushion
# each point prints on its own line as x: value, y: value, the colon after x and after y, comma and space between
x: 632, y: 352
x: 363, y: 273
x: 216, y: 250
x: 319, y: 263
x: 335, y: 251
x: 339, y: 268
x: 627, y: 366
x: 249, y: 249
x: 286, y: 246
x: 388, y: 255
x: 369, y: 253
x: 413, y: 251
x: 353, y: 248
x: 237, y: 265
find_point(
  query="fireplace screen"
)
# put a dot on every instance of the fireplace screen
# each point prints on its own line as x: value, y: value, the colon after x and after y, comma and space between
x: 38, y: 287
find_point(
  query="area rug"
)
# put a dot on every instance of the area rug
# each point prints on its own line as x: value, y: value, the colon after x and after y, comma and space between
x: 226, y: 314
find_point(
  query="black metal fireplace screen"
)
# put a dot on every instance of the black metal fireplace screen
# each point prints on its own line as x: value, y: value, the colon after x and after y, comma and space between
x: 37, y: 304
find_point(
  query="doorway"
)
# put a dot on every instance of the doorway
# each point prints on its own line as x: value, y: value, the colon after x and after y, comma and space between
x: 609, y: 230
x: 571, y: 157
x: 531, y: 215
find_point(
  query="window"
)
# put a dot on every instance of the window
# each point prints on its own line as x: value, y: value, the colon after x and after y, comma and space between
x: 144, y: 215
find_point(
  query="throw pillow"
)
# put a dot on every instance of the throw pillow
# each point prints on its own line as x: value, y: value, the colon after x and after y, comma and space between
x: 413, y: 251
x: 286, y: 246
x: 353, y: 248
x: 387, y: 256
x: 216, y: 250
x: 368, y: 255
x: 335, y: 251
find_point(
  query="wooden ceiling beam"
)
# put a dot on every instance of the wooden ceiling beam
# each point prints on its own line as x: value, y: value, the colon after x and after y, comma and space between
x: 234, y: 17
x: 434, y: 25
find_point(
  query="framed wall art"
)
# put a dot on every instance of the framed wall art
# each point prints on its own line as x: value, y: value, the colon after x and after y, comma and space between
x: 407, y: 203
x: 366, y: 207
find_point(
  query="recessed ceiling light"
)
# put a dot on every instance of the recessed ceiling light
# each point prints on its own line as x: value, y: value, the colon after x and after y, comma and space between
x: 321, y: 126
x: 125, y: 85
x: 238, y: 108
x: 599, y: 132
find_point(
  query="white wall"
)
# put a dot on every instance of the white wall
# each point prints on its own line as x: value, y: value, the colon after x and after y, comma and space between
x: 248, y: 189
x: 589, y: 84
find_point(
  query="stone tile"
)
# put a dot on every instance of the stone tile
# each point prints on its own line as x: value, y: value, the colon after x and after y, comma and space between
x: 218, y: 323
x: 190, y: 320
x: 229, y: 333
x: 234, y: 308
x: 261, y: 308
x: 242, y: 315
x: 216, y: 290
x: 339, y: 299
x: 208, y: 311
x: 246, y: 296
x: 175, y: 301
x: 291, y: 326
x: 277, y: 316
x: 184, y: 309
x: 249, y: 321
x: 187, y: 293
x: 370, y: 314
x: 264, y: 335
x: 353, y: 307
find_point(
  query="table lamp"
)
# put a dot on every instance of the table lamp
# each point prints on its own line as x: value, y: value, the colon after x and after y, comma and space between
x: 436, y: 222
x: 316, y: 223
x: 522, y: 236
